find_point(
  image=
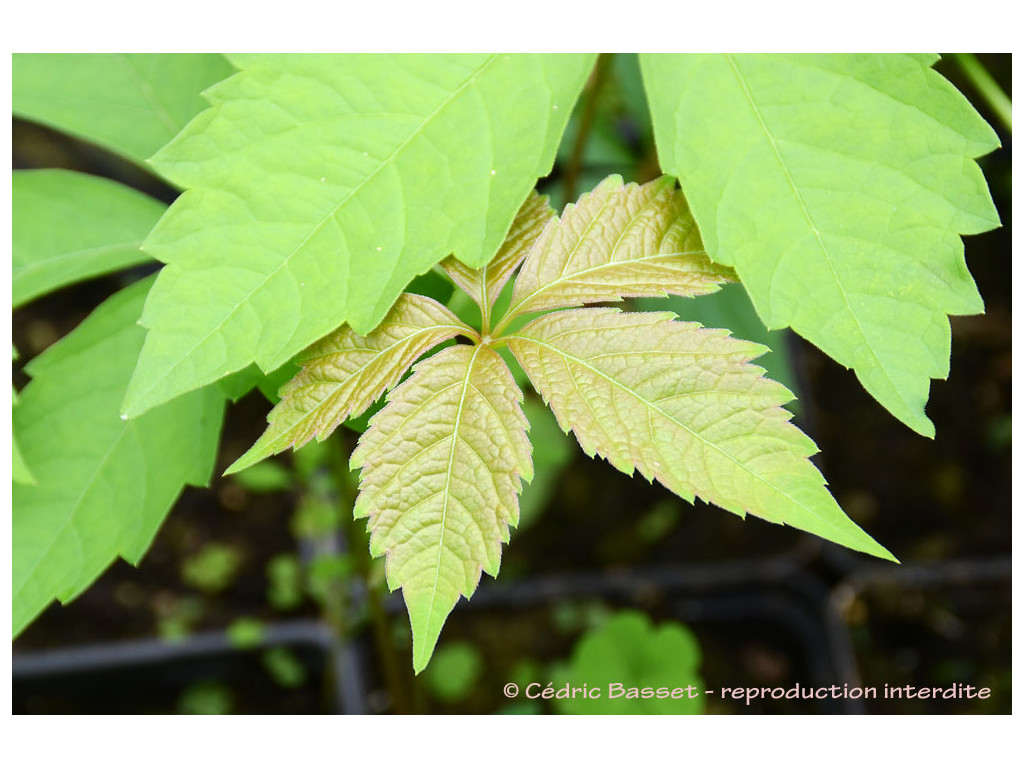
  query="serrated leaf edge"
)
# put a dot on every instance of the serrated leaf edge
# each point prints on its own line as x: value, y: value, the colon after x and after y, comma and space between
x: 267, y: 446
x: 880, y: 551
x: 423, y: 648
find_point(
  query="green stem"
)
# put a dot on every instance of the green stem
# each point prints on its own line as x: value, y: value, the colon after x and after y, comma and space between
x: 987, y: 87
x: 497, y: 339
x: 575, y: 164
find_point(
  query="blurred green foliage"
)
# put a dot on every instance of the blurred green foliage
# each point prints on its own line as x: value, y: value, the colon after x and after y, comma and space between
x: 213, y: 568
x: 453, y: 671
x: 631, y: 652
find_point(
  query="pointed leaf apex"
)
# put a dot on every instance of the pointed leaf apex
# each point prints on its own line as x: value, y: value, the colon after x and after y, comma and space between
x: 442, y: 466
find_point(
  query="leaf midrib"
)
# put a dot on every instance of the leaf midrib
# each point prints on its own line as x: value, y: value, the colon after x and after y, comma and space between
x: 515, y: 308
x: 569, y: 279
x: 448, y: 480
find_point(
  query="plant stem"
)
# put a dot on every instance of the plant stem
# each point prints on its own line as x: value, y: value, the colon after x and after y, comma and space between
x: 359, y: 549
x: 382, y: 637
x: 573, y: 167
x: 988, y: 88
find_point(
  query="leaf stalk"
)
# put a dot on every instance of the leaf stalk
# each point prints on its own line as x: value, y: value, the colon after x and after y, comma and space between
x: 575, y: 164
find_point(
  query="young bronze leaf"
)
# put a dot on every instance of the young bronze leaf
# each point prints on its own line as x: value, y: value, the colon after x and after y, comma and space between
x: 442, y: 465
x: 682, y: 404
x: 485, y: 284
x: 619, y: 240
x: 343, y: 373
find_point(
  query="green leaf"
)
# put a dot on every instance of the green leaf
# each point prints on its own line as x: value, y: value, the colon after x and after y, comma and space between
x: 70, y: 226
x: 20, y: 473
x: 442, y: 466
x: 343, y: 373
x: 836, y: 186
x: 630, y: 652
x: 240, y: 383
x: 129, y: 103
x: 454, y: 672
x: 619, y: 240
x: 104, y: 486
x: 681, y: 404
x: 271, y: 384
x: 245, y: 633
x: 207, y: 697
x: 284, y: 577
x: 485, y: 284
x: 319, y: 185
x: 213, y: 568
x: 284, y: 667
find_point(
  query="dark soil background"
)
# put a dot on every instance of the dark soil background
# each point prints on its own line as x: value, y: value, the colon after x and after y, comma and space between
x: 770, y: 606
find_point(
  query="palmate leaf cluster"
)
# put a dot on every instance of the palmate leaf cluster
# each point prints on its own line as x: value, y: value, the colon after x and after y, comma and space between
x: 443, y: 462
x: 316, y: 187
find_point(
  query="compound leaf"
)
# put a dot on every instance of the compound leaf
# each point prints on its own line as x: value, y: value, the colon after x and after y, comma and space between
x: 683, y: 405
x: 485, y: 283
x: 103, y: 486
x: 70, y: 226
x: 836, y: 185
x: 319, y: 185
x: 442, y: 465
x: 619, y: 240
x: 630, y: 648
x: 130, y: 103
x: 345, y: 372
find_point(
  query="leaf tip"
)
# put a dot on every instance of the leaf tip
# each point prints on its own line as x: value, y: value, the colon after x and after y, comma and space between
x: 259, y: 451
x: 420, y: 661
x: 856, y: 538
x: 877, y: 550
x: 237, y: 466
x: 133, y: 405
x: 425, y: 634
x: 920, y: 424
